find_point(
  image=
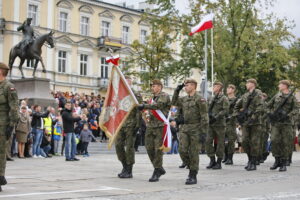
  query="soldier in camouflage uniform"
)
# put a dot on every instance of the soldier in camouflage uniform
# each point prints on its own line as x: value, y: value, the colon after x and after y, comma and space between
x: 127, y: 136
x: 249, y: 110
x: 195, y: 122
x: 153, y: 137
x: 218, y: 110
x: 230, y: 125
x: 8, y: 116
x: 282, y: 134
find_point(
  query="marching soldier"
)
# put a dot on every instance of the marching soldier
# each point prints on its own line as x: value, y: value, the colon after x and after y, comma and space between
x: 195, y: 122
x: 153, y: 137
x: 8, y: 116
x: 249, y: 111
x: 281, y: 109
x: 230, y: 125
x: 218, y: 109
x: 126, y: 138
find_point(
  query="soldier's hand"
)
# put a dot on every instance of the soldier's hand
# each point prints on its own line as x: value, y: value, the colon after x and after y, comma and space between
x: 179, y: 87
x: 8, y: 132
x: 141, y: 106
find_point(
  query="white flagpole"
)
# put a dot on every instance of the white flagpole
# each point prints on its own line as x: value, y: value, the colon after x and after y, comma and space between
x: 212, y: 58
x: 205, y: 61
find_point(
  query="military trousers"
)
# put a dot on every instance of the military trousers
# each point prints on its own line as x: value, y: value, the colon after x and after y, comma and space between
x: 125, y: 145
x: 281, y: 138
x: 3, y: 146
x: 189, y: 148
x: 153, y: 143
x: 231, y: 136
x: 218, y: 133
x: 264, y: 141
x: 251, y: 139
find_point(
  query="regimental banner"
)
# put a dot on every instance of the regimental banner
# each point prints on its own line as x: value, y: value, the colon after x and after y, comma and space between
x: 119, y: 102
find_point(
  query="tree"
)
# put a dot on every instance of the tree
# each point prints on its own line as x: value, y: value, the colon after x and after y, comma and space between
x: 294, y: 72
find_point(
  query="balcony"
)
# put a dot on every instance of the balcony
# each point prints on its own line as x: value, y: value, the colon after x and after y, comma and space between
x: 107, y: 42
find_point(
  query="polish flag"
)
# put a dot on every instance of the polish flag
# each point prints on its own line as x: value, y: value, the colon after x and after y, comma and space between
x: 206, y: 23
x: 113, y: 59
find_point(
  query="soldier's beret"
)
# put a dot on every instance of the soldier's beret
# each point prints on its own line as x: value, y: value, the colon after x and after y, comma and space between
x: 190, y: 80
x: 218, y: 83
x: 156, y: 82
x: 285, y: 82
x: 231, y: 86
x: 3, y: 66
x: 252, y: 80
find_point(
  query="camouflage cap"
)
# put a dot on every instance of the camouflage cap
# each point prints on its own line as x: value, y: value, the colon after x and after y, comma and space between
x: 3, y: 66
x: 156, y: 82
x: 218, y: 83
x: 252, y: 80
x: 285, y: 82
x: 190, y: 80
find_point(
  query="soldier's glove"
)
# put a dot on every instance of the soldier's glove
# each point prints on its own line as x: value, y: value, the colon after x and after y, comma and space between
x: 8, y: 132
x: 141, y: 106
x: 179, y: 87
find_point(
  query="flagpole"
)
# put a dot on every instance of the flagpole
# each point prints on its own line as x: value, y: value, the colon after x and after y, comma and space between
x: 212, y: 59
x: 205, y: 62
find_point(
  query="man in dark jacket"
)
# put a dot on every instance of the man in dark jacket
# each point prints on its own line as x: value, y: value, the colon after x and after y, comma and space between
x: 68, y: 125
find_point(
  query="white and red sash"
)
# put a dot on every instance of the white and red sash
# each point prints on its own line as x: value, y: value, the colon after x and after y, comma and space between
x: 167, y: 134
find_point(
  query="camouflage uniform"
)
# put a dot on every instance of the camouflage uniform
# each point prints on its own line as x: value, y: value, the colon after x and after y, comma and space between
x: 251, y: 129
x: 126, y: 138
x: 9, y: 117
x: 264, y: 135
x: 217, y: 129
x: 282, y: 134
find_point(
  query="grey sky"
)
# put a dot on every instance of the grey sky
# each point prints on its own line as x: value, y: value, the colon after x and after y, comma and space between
x: 282, y: 8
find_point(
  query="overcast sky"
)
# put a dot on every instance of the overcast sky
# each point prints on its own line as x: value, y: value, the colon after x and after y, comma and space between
x: 282, y: 8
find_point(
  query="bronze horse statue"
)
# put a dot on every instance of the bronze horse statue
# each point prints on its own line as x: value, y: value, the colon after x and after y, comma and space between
x: 33, y: 52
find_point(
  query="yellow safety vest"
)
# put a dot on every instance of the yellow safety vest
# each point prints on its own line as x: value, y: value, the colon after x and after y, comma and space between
x: 48, y: 124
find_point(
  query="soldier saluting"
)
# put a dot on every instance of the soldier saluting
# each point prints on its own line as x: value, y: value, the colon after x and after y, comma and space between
x: 281, y: 108
x: 8, y: 116
x: 195, y: 122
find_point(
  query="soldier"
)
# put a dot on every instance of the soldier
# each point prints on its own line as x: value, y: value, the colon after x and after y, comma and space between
x: 153, y: 137
x: 195, y: 122
x: 218, y: 109
x: 249, y: 111
x: 230, y: 125
x: 9, y: 116
x: 281, y: 108
x: 127, y: 136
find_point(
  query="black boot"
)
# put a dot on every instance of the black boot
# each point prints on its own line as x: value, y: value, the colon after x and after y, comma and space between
x: 161, y: 171
x: 127, y: 173
x: 0, y: 188
x: 188, y: 176
x: 229, y: 160
x: 211, y: 163
x: 257, y: 162
x: 276, y: 164
x: 265, y: 155
x: 225, y: 158
x: 155, y: 176
x: 192, y: 178
x: 289, y: 161
x: 3, y: 180
x: 218, y: 165
x: 123, y: 170
x: 249, y: 162
x: 282, y: 165
x: 183, y: 165
x: 252, y: 166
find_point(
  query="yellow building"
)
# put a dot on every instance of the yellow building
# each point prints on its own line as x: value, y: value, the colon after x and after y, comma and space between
x: 84, y: 30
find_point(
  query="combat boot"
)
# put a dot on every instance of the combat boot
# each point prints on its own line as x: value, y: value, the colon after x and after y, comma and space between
x: 218, y: 164
x: 257, y: 162
x: 183, y: 165
x: 127, y: 173
x: 289, y: 161
x: 3, y: 180
x: 0, y: 188
x: 161, y: 171
x: 229, y: 160
x: 188, y: 176
x: 276, y: 164
x: 249, y: 162
x: 252, y: 166
x: 212, y: 162
x: 225, y: 158
x: 282, y: 165
x: 265, y: 155
x: 123, y: 170
x: 155, y: 176
x: 192, y: 178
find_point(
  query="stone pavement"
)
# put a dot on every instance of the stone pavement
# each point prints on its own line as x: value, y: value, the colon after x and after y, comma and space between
x: 95, y: 178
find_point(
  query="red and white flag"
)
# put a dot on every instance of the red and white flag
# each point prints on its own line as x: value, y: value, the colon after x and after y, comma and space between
x: 119, y: 102
x: 113, y: 59
x: 167, y: 134
x: 206, y: 23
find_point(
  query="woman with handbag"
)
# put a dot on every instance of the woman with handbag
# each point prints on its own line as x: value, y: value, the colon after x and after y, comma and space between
x: 22, y: 130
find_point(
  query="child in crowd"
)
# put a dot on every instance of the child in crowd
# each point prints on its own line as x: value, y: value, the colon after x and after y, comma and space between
x: 56, y: 136
x: 86, y: 137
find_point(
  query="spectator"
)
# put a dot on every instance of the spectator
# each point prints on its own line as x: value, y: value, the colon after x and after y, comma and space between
x: 68, y: 126
x: 46, y: 145
x: 86, y: 137
x: 56, y: 136
x: 174, y: 131
x: 94, y: 126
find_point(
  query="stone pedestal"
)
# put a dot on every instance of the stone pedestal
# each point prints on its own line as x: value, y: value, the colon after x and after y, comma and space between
x: 36, y: 90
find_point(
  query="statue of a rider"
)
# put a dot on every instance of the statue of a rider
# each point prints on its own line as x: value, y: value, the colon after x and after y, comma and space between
x: 28, y: 35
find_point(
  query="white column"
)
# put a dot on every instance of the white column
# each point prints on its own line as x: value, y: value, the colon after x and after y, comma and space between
x: 16, y: 19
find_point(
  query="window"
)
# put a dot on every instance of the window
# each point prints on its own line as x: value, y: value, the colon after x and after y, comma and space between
x: 84, y: 26
x: 143, y: 68
x: 62, y: 61
x: 105, y: 28
x: 32, y: 13
x: 63, y: 18
x: 125, y: 35
x: 83, y: 64
x: 104, y: 68
x: 30, y: 63
x: 143, y: 36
